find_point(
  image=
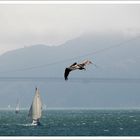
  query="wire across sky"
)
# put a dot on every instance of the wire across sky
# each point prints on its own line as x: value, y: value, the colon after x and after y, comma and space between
x: 124, y: 80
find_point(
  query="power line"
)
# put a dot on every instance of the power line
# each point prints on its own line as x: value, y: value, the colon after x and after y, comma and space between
x: 72, y: 58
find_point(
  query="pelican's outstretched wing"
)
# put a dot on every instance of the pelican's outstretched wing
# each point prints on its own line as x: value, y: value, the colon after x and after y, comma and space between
x: 73, y: 64
x: 67, y: 71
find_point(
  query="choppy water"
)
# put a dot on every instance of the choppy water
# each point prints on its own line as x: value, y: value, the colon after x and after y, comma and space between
x: 72, y: 123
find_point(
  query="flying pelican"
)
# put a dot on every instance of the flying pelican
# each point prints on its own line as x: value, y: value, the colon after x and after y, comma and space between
x: 75, y: 66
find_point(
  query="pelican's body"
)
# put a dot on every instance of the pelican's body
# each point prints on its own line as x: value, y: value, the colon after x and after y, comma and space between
x: 75, y: 66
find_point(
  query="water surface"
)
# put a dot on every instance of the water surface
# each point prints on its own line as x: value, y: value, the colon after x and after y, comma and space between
x: 72, y: 123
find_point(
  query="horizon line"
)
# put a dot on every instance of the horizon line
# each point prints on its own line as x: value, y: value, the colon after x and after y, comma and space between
x: 76, y: 108
x: 73, y: 79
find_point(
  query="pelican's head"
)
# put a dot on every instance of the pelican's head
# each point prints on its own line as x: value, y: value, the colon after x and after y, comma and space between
x: 87, y: 62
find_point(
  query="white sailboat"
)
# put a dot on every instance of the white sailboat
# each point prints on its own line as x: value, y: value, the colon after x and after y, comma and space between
x: 35, y: 111
x: 17, y: 107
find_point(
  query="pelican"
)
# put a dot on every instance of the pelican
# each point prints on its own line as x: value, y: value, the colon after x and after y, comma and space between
x: 75, y: 66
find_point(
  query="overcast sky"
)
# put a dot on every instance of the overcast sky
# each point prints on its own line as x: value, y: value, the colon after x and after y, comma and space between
x: 25, y: 25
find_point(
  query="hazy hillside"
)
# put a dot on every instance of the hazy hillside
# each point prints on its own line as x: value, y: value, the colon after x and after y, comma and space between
x: 123, y: 58
x: 121, y: 61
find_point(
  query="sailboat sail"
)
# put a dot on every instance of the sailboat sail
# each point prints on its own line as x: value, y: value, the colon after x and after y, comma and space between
x: 30, y: 112
x: 35, y: 111
x: 17, y: 107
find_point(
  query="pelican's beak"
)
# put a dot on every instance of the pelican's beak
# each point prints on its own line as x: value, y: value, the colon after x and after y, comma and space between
x: 91, y: 62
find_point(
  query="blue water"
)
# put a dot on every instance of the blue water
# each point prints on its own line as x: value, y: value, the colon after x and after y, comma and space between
x: 72, y: 123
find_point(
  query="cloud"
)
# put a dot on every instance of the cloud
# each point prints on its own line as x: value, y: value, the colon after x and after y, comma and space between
x: 54, y: 24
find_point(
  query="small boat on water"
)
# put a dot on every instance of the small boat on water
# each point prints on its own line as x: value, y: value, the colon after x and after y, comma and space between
x: 17, y: 107
x: 35, y: 111
x: 44, y: 107
x: 9, y: 107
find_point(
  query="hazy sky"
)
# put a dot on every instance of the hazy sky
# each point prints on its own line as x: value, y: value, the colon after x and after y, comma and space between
x: 25, y: 25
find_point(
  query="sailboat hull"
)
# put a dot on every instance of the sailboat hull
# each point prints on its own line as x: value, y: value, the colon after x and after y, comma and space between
x: 36, y: 123
x: 16, y: 112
